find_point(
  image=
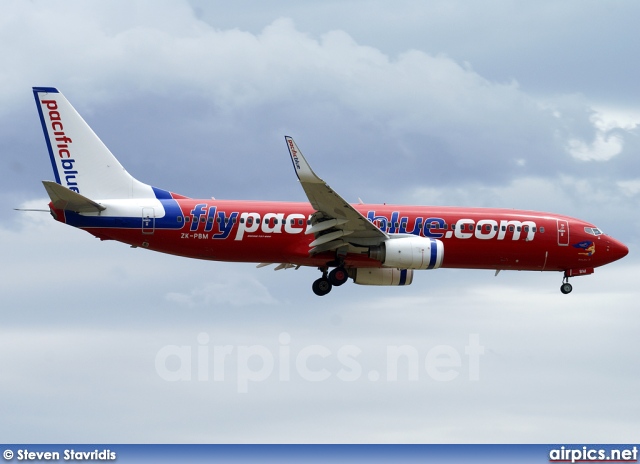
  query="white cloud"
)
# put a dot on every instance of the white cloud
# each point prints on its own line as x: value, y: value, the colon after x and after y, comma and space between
x: 171, y: 49
x: 602, y: 148
x: 610, y: 118
x: 533, y: 339
x: 608, y: 142
x: 411, y: 123
x: 630, y: 188
x: 234, y: 290
x: 440, y: 115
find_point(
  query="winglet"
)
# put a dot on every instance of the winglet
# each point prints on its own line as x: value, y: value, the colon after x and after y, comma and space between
x: 302, y: 168
x: 63, y: 198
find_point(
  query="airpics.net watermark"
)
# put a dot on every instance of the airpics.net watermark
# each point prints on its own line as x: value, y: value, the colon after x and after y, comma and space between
x: 204, y: 362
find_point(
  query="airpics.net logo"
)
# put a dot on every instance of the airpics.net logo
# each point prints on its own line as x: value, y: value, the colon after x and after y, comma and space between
x: 247, y: 365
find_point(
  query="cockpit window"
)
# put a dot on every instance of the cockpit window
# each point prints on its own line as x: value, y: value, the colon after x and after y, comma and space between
x: 593, y: 231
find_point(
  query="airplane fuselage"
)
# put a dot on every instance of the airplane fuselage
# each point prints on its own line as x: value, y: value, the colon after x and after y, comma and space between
x: 371, y: 244
x: 274, y: 232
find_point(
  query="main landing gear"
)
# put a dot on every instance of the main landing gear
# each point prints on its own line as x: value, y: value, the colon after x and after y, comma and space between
x: 335, y: 278
x: 566, y: 287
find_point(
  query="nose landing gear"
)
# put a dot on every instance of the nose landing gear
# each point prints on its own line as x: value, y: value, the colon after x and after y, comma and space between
x: 566, y: 287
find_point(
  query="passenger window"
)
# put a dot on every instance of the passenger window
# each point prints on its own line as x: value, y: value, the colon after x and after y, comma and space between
x: 542, y: 230
x: 179, y: 218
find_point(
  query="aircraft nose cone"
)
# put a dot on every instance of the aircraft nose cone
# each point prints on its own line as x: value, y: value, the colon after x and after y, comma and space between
x: 617, y: 250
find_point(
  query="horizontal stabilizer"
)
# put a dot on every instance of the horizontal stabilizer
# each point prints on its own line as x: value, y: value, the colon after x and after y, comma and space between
x: 63, y: 198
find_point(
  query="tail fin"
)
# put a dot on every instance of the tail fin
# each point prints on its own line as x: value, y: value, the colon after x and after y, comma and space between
x: 81, y: 162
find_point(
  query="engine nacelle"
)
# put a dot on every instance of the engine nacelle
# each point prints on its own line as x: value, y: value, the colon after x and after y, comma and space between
x: 409, y: 253
x: 381, y: 276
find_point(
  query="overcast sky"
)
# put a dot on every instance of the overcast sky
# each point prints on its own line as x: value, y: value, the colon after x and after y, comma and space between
x: 501, y: 104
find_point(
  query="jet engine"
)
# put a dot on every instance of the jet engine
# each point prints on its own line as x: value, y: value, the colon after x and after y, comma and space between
x: 409, y: 253
x: 381, y: 276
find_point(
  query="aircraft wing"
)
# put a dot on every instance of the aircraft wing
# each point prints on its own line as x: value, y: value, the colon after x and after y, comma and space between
x: 336, y: 223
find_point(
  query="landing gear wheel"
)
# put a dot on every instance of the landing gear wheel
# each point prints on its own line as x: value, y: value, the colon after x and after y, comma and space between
x: 338, y: 276
x: 566, y: 288
x: 321, y: 287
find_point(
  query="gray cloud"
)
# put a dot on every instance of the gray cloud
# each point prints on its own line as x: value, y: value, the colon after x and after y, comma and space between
x: 428, y: 103
x: 438, y: 120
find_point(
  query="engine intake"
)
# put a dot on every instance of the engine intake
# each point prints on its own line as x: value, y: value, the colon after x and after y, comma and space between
x: 409, y: 253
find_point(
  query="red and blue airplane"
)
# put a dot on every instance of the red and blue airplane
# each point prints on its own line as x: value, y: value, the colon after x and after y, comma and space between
x: 371, y: 244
